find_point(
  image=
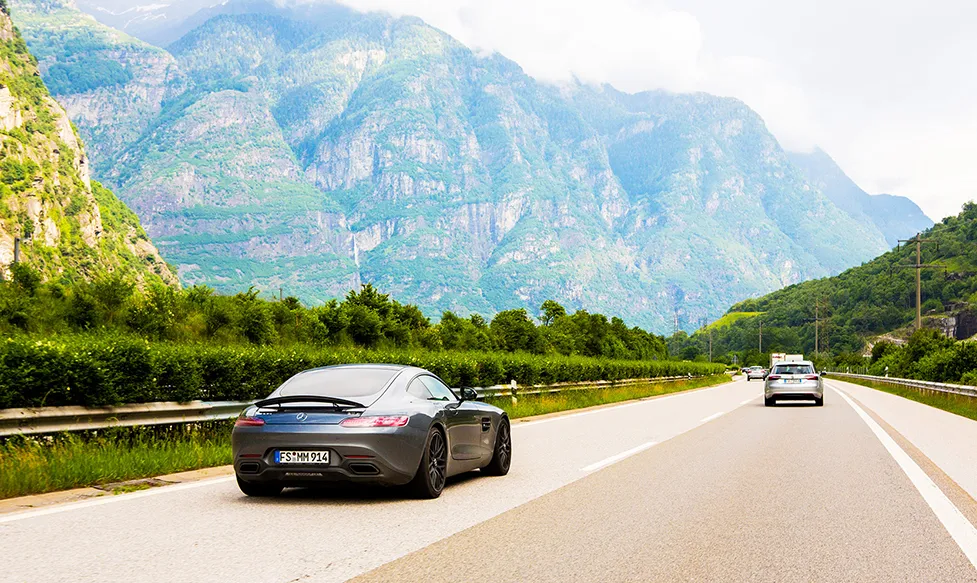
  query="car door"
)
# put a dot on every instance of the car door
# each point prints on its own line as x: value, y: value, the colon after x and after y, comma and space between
x: 461, y: 418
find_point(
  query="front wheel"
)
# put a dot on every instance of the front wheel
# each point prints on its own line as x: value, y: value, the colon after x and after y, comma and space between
x: 502, y: 455
x: 260, y: 489
x: 432, y: 473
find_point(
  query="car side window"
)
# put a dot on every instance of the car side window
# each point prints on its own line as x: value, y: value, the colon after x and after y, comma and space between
x: 439, y: 391
x: 418, y: 389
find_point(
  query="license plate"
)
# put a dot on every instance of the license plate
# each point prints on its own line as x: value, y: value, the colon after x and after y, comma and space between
x: 793, y: 381
x: 302, y: 457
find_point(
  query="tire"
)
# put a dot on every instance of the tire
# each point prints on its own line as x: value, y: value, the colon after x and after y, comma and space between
x: 260, y: 489
x: 432, y: 472
x: 819, y: 402
x: 767, y: 402
x: 502, y: 454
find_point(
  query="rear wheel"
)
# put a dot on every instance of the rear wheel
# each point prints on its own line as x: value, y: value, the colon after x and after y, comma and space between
x: 768, y: 402
x: 819, y: 401
x: 432, y: 473
x: 502, y: 455
x: 260, y: 489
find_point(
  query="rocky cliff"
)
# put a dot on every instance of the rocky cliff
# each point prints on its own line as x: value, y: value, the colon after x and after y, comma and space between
x: 70, y: 225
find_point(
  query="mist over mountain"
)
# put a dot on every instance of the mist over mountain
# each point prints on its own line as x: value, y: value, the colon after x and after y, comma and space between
x: 315, y: 148
x: 896, y: 216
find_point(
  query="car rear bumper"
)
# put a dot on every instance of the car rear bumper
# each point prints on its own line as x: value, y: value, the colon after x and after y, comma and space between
x: 388, y: 456
x: 794, y: 392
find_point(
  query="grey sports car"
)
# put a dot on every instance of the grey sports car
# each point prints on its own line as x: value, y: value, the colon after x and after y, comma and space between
x: 378, y: 423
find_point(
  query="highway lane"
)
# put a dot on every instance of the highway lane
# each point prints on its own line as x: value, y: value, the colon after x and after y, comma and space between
x: 211, y: 532
x: 762, y: 494
x: 947, y: 439
x: 706, y: 485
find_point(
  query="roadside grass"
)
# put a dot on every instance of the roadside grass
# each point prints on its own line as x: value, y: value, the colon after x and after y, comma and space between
x: 529, y: 405
x: 39, y: 464
x: 958, y: 404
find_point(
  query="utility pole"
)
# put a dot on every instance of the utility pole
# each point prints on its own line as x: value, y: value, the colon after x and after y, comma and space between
x: 16, y: 249
x: 919, y: 266
x: 761, y: 336
x: 710, y: 344
x: 817, y: 326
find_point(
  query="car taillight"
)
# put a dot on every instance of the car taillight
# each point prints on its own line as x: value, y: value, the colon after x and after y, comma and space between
x: 774, y: 377
x: 377, y: 421
x: 811, y: 377
x: 249, y: 422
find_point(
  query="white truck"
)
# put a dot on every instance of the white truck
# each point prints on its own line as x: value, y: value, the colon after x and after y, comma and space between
x: 782, y: 357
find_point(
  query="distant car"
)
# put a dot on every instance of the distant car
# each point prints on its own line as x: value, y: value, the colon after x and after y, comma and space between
x: 755, y: 372
x: 384, y: 424
x: 794, y: 381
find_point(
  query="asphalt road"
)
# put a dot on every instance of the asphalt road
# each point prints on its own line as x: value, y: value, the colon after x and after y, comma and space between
x: 702, y: 486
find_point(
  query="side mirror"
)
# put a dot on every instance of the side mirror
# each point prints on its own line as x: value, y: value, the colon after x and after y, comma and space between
x: 468, y: 394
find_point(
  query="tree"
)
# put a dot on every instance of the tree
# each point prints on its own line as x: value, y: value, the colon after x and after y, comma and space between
x: 26, y: 278
x: 551, y: 311
x: 513, y: 330
x: 371, y: 298
x: 365, y: 326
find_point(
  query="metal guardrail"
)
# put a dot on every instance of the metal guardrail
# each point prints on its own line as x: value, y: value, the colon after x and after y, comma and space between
x: 948, y: 388
x: 512, y: 389
x: 53, y: 419
x: 30, y: 421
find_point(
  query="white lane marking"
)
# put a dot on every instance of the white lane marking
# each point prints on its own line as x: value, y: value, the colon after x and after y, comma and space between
x: 712, y: 417
x: 748, y: 400
x: 109, y: 498
x: 963, y: 533
x: 645, y: 401
x: 616, y: 458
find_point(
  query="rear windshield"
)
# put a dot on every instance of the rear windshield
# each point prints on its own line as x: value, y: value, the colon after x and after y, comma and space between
x: 343, y: 382
x: 793, y: 369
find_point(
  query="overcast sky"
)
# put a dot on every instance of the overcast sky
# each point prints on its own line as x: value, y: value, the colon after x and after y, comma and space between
x: 887, y: 87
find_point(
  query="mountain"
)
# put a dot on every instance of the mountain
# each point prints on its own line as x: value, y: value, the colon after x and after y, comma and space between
x: 873, y: 299
x: 71, y: 226
x: 313, y: 147
x: 896, y: 216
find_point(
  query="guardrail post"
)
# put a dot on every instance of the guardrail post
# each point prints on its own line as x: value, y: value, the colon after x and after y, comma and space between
x: 513, y: 389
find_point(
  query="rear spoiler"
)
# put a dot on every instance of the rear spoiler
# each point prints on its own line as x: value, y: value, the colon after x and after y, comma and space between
x: 307, y: 399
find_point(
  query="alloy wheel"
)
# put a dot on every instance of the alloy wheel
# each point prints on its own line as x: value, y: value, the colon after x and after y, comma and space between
x: 505, y: 446
x: 438, y: 461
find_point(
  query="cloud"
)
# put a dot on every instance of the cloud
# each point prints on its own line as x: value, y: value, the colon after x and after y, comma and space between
x: 926, y: 159
x: 635, y: 45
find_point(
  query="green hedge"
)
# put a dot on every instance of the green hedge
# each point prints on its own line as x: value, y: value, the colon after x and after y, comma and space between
x: 87, y: 370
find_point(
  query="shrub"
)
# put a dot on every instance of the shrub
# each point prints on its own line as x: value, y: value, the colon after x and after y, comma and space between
x: 111, y: 370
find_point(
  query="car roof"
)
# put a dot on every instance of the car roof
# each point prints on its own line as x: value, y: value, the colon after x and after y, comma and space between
x: 793, y: 362
x: 362, y: 365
